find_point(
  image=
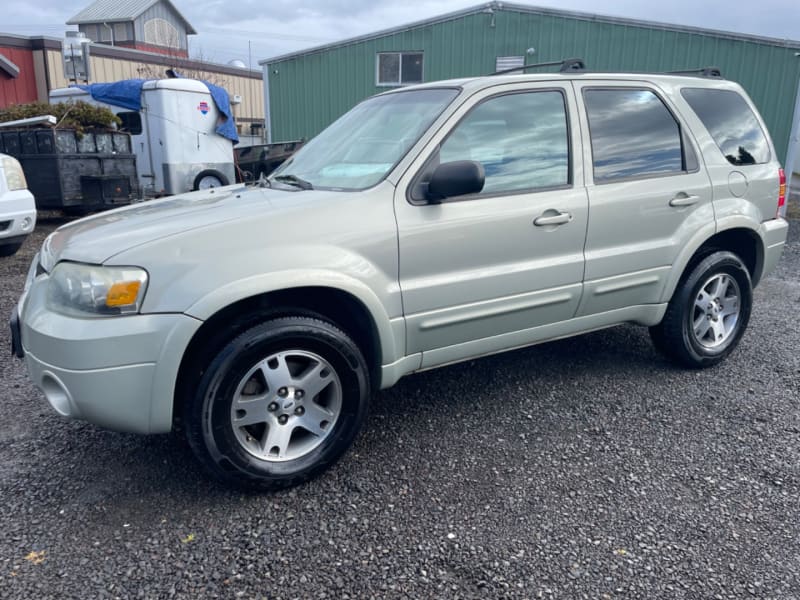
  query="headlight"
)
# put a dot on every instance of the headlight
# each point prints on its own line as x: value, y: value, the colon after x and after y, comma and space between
x: 15, y: 177
x: 86, y: 290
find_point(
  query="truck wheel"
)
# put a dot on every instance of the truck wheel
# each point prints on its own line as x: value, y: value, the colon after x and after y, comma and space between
x: 708, y: 312
x: 10, y: 249
x: 208, y: 179
x: 278, y: 404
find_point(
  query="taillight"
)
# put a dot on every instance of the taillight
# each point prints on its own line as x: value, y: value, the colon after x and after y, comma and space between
x: 781, y: 193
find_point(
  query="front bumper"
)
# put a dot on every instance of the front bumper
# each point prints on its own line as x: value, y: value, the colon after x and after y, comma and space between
x: 17, y: 216
x: 116, y: 372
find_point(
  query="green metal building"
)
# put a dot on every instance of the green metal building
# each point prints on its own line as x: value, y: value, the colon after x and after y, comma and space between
x: 305, y: 91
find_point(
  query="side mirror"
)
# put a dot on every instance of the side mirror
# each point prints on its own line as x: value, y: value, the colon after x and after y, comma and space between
x: 456, y: 179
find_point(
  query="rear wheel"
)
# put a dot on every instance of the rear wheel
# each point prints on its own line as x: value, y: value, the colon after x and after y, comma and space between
x: 279, y: 403
x: 708, y: 313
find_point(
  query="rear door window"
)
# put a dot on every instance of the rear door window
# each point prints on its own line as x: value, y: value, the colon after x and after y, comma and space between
x: 633, y: 135
x: 731, y: 123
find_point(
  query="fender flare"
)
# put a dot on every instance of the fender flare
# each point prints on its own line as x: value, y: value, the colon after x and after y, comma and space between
x: 392, y: 348
x: 698, y: 240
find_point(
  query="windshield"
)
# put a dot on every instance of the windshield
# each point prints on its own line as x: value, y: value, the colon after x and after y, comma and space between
x: 361, y: 147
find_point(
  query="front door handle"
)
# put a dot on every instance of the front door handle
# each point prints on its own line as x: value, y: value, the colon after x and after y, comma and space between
x: 684, y: 199
x: 551, y: 217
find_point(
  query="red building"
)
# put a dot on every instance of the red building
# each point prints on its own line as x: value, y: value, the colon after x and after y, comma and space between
x: 17, y: 73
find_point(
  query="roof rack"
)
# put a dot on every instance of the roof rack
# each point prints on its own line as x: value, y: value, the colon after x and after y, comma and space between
x: 567, y: 64
x: 714, y: 72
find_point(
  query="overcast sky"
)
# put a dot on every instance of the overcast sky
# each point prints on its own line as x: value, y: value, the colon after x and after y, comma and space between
x: 251, y: 30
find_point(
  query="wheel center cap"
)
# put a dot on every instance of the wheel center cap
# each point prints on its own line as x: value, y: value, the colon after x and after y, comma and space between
x: 714, y: 309
x: 288, y: 404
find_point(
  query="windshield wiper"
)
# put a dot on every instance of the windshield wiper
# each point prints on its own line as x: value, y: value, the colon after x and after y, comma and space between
x: 262, y: 181
x: 295, y: 181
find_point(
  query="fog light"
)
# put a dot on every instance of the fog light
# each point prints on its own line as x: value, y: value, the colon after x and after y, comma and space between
x: 27, y: 223
x: 56, y: 395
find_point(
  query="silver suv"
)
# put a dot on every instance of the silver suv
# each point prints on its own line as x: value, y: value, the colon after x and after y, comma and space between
x: 428, y: 225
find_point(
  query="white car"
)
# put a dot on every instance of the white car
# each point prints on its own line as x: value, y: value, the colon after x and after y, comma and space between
x: 17, y: 207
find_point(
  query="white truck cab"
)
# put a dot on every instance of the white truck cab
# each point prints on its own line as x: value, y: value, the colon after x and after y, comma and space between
x: 173, y: 136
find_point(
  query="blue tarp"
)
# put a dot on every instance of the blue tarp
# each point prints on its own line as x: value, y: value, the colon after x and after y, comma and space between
x: 227, y: 128
x: 128, y: 94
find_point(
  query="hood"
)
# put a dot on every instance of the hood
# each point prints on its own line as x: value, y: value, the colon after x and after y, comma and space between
x: 97, y: 238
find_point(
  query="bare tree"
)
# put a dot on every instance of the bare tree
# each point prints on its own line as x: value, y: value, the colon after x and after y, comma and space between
x: 185, y: 67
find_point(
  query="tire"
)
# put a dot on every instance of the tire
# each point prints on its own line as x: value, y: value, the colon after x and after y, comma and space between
x: 249, y: 421
x: 10, y: 249
x: 205, y: 180
x: 708, y: 313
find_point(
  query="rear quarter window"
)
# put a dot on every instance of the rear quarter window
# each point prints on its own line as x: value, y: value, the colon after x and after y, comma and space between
x: 732, y: 124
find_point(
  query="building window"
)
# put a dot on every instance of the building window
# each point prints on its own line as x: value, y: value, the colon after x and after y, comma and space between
x: 503, y: 63
x: 399, y: 68
x: 90, y: 31
x: 121, y: 32
x: 161, y: 33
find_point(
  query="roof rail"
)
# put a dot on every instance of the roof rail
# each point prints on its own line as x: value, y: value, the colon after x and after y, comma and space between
x: 567, y: 64
x: 714, y: 72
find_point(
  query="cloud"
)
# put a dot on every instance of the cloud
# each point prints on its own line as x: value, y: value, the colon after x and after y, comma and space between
x: 261, y: 29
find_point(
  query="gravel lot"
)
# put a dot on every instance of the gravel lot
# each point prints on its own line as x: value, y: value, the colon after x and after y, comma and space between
x: 584, y: 468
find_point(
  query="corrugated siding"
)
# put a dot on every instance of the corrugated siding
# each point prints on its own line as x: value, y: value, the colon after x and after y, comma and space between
x: 161, y: 11
x: 110, y: 10
x: 106, y: 69
x: 98, y: 32
x: 22, y: 88
x: 308, y: 92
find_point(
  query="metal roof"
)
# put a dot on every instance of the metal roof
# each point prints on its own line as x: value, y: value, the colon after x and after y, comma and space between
x: 114, y: 11
x: 511, y: 7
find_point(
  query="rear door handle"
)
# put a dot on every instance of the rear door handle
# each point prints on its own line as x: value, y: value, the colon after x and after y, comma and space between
x: 684, y: 199
x: 559, y: 218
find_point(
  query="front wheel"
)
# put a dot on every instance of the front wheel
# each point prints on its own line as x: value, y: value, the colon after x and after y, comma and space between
x: 708, y: 312
x: 279, y: 404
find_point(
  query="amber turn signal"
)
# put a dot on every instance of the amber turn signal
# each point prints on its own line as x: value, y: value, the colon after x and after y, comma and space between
x: 123, y: 293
